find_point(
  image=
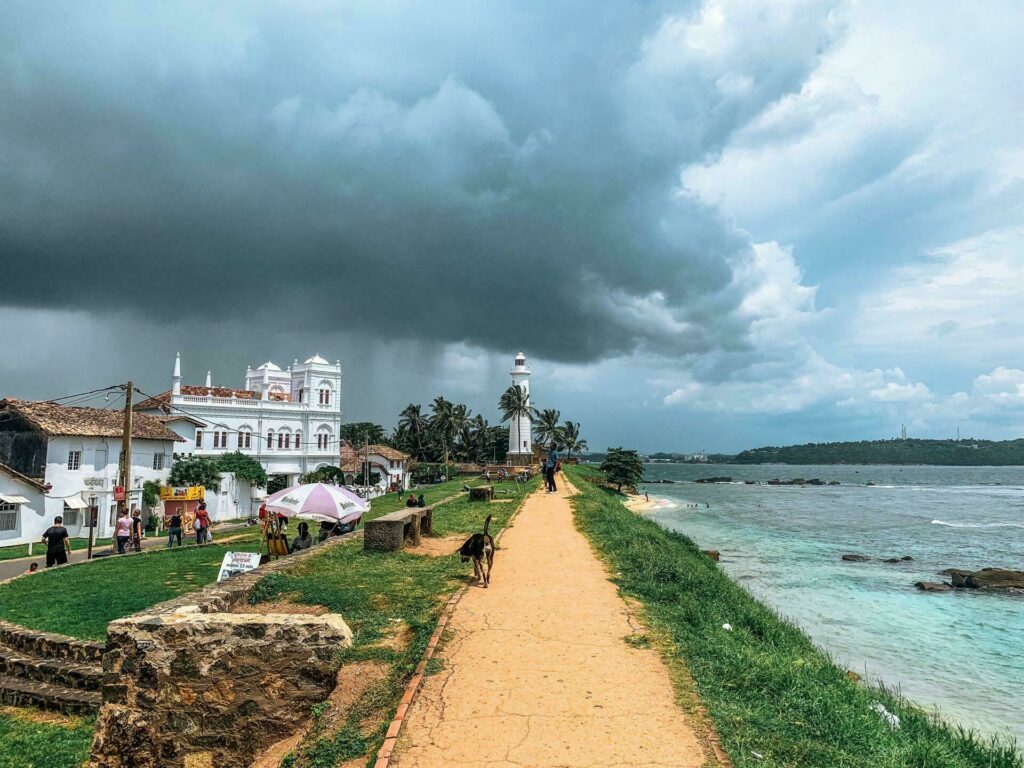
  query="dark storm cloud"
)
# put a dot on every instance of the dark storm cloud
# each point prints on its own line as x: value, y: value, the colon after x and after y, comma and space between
x: 480, y: 172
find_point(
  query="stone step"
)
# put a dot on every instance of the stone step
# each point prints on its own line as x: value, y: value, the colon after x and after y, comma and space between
x: 19, y: 692
x: 47, y: 645
x: 69, y: 674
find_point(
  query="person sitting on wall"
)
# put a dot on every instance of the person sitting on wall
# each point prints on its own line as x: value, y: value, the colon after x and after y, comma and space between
x: 411, y: 501
x: 303, y: 540
x: 421, y: 502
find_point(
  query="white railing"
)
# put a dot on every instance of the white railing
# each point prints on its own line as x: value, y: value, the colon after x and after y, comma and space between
x: 238, y: 402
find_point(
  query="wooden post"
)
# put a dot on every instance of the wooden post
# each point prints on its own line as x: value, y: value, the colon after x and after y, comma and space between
x: 126, y: 450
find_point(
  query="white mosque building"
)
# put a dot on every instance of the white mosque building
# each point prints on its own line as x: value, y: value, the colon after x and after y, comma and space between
x: 288, y: 420
x: 520, y: 428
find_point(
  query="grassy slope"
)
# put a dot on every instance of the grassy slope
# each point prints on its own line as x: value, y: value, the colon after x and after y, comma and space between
x: 767, y: 688
x: 81, y: 600
x: 376, y: 592
x: 29, y: 740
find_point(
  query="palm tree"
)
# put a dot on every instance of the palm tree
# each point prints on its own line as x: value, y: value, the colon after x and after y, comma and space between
x: 569, y: 437
x: 479, y: 438
x: 545, y: 425
x: 415, y: 423
x: 443, y: 423
x: 460, y: 430
x: 515, y: 404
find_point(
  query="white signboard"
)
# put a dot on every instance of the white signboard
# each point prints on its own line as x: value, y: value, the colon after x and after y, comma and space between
x: 238, y: 562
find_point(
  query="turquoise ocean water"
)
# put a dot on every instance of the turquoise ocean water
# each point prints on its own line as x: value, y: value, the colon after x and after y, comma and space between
x: 962, y: 652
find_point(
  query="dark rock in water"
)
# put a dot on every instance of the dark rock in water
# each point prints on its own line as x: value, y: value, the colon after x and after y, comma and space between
x: 713, y: 554
x: 933, y: 586
x: 856, y: 558
x: 750, y: 482
x: 995, y: 578
x: 868, y: 483
x: 904, y: 559
x: 714, y: 480
x: 986, y: 578
x: 834, y: 482
x: 891, y: 560
x: 776, y: 481
x: 814, y: 481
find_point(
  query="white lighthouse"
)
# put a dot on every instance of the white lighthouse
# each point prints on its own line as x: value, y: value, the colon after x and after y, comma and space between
x: 520, y: 428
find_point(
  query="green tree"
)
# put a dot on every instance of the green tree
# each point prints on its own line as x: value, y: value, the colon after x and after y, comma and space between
x: 195, y: 470
x: 622, y: 467
x: 359, y: 431
x: 545, y: 426
x: 515, y: 404
x: 415, y: 424
x: 326, y: 475
x: 443, y: 424
x: 569, y: 438
x: 151, y: 493
x: 244, y: 468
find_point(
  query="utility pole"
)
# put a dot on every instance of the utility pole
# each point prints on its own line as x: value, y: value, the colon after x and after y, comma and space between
x: 366, y: 465
x: 126, y: 450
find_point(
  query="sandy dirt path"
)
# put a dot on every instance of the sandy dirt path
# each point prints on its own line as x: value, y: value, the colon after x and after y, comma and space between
x: 537, y: 672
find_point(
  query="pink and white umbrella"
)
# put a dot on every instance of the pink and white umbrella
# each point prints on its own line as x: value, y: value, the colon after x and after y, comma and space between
x: 318, y: 501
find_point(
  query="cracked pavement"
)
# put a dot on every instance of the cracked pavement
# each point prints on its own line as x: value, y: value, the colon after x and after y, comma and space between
x: 536, y: 670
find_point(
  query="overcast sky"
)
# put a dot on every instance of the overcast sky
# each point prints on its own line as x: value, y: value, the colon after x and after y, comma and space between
x: 709, y: 225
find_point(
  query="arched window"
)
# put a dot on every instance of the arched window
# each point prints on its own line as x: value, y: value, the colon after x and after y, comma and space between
x: 298, y: 441
x: 323, y: 437
x: 270, y: 440
x: 325, y: 392
x: 244, y: 437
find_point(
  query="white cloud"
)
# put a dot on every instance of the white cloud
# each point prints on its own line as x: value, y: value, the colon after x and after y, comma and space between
x: 966, y: 299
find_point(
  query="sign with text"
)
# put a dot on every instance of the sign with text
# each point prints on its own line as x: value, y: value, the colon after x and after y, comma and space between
x: 238, y: 562
x: 191, y: 493
x: 118, y: 493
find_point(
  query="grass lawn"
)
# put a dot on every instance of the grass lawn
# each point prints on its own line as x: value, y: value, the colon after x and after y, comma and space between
x: 30, y: 738
x: 378, y: 594
x: 80, y: 600
x: 39, y: 549
x: 776, y: 700
x: 432, y: 494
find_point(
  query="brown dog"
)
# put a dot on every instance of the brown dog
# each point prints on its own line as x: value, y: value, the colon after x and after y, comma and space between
x: 480, y: 549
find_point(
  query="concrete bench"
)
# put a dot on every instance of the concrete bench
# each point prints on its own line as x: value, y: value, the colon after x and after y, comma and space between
x: 481, y: 493
x: 389, y: 533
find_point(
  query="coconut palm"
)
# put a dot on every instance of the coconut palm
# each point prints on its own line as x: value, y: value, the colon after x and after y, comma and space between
x: 443, y: 423
x: 415, y: 424
x: 545, y: 425
x: 515, y: 404
x: 570, y: 440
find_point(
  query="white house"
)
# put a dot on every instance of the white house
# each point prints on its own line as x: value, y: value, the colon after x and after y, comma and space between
x: 63, y: 460
x: 288, y: 420
x: 392, y: 465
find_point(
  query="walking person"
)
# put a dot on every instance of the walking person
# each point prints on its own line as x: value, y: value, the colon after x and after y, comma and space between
x: 58, y: 543
x: 549, y: 467
x: 137, y: 529
x: 202, y: 523
x: 123, y: 531
x: 173, y: 523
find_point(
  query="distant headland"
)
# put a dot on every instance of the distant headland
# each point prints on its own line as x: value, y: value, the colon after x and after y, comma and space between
x: 966, y: 452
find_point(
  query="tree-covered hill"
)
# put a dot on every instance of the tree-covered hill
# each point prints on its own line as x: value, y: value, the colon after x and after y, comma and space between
x: 967, y: 452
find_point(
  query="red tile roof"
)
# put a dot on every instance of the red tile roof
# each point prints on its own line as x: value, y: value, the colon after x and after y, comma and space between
x: 161, y: 401
x: 76, y: 421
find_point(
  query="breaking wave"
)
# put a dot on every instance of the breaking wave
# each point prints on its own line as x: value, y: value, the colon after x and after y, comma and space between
x: 978, y: 525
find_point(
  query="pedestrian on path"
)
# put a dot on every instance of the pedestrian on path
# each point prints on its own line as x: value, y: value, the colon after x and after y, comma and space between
x: 123, y: 531
x: 202, y: 523
x: 549, y: 469
x: 173, y: 523
x: 137, y: 529
x: 58, y: 544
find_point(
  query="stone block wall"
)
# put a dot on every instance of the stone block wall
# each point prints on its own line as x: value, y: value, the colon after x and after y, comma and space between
x: 188, y: 683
